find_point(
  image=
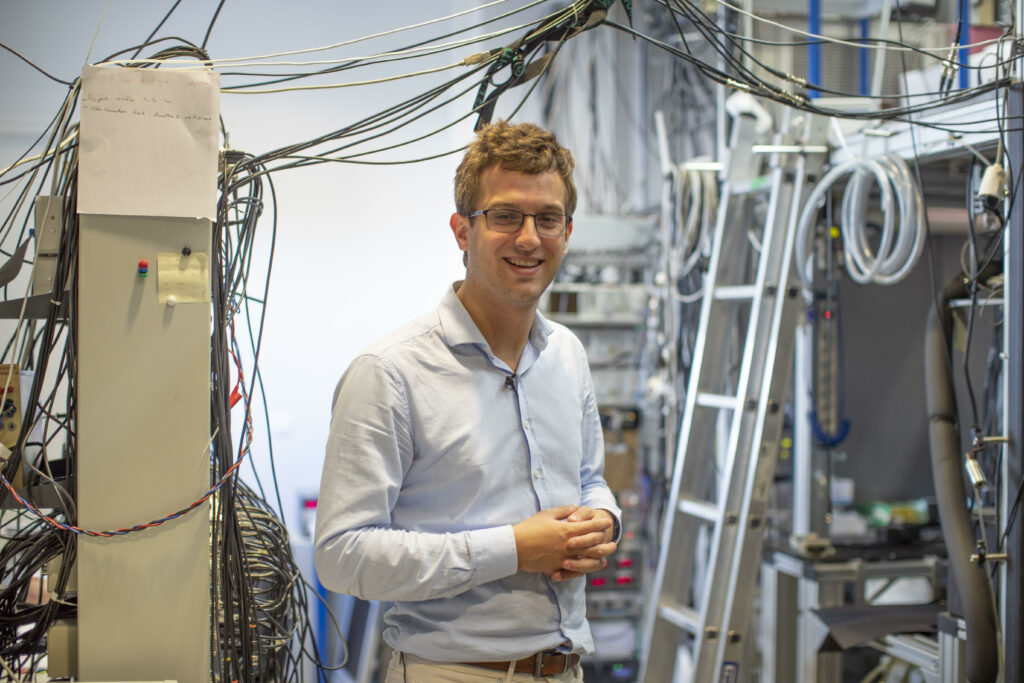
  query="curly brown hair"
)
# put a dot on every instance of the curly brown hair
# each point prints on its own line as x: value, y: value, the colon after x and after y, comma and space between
x: 523, y: 147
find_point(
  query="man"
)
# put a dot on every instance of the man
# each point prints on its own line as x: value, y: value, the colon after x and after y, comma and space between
x: 463, y: 478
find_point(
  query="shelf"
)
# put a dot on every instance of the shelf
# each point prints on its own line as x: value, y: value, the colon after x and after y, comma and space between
x: 974, y: 120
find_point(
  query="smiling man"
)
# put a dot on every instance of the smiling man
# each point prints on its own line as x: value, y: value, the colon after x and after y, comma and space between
x: 463, y: 478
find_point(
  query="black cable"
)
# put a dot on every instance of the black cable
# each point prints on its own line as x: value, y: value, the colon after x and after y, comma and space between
x: 23, y: 626
x: 368, y: 123
x: 28, y: 151
x: 34, y: 65
x: 148, y: 43
x: 257, y: 582
x: 929, y: 242
x: 213, y: 21
x: 972, y: 290
x: 256, y: 371
x: 701, y: 19
x: 356, y: 62
x: 408, y: 104
x: 1001, y: 125
x: 158, y: 26
x: 536, y: 40
x: 759, y: 87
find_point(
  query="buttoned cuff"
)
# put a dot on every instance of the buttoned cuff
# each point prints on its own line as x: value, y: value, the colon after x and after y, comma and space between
x: 494, y: 553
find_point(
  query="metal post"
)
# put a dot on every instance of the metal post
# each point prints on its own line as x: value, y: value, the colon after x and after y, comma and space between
x: 883, y: 33
x: 965, y: 39
x: 1013, y: 620
x: 803, y: 448
x: 814, y: 49
x: 722, y: 127
x: 812, y: 666
x: 865, y: 28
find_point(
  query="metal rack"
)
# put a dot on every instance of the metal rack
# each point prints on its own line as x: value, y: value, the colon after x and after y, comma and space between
x: 939, y: 658
x: 604, y: 294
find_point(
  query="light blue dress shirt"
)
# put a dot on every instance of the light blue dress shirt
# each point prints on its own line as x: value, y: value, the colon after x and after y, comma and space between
x: 432, y: 458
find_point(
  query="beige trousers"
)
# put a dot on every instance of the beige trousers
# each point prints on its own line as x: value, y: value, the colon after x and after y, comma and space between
x: 406, y: 668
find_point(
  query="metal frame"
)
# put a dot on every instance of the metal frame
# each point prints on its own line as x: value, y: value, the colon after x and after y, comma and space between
x: 745, y: 415
x: 792, y: 587
x: 1011, y: 572
x: 973, y: 118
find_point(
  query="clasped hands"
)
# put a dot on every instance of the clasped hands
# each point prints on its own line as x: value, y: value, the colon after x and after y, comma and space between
x: 565, y: 542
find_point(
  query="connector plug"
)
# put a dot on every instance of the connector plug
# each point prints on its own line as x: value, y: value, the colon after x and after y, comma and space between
x: 990, y: 192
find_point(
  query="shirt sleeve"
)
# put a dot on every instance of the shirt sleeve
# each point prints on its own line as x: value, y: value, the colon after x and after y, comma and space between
x: 357, y: 551
x: 594, y: 490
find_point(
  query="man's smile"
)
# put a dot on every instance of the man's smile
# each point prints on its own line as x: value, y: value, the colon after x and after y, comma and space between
x: 523, y: 263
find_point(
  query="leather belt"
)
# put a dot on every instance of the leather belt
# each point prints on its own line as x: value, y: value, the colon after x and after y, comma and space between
x: 540, y: 665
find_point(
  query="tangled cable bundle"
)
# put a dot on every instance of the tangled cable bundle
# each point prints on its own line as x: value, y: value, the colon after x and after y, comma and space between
x: 697, y: 204
x: 903, y: 227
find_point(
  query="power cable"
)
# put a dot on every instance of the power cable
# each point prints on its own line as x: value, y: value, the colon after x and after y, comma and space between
x: 34, y: 65
x: 213, y: 21
x: 158, y: 27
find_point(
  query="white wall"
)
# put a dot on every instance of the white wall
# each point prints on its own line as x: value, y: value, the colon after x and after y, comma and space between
x: 360, y: 249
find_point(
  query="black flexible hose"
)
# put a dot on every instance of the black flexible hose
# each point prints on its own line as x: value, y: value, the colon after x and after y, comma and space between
x: 947, y: 471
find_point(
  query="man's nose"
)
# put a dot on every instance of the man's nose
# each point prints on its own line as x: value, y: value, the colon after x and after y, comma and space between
x: 528, y: 236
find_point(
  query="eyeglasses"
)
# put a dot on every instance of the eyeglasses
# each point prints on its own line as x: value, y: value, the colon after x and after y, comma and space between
x: 547, y: 224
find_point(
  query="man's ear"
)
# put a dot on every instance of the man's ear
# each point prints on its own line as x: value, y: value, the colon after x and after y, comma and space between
x: 568, y: 231
x: 460, y: 228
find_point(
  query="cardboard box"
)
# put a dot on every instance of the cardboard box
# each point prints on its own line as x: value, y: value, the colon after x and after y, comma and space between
x: 620, y: 459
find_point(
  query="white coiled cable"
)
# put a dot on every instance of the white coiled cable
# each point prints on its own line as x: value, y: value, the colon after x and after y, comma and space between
x: 903, y: 224
x: 696, y: 209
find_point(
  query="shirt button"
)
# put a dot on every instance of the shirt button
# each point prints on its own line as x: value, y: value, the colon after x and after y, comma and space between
x: 536, y: 474
x: 526, y: 424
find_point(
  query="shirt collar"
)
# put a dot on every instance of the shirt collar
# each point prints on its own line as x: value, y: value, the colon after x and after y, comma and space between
x: 458, y: 326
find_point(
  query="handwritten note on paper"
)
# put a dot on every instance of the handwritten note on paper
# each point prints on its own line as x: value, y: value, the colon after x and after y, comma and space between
x: 148, y: 142
x: 186, y: 278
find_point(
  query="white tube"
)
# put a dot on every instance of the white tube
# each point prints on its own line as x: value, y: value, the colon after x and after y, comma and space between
x: 901, y: 242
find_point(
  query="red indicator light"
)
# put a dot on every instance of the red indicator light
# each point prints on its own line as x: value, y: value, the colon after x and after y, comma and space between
x: 626, y: 562
x: 623, y: 580
x: 597, y: 583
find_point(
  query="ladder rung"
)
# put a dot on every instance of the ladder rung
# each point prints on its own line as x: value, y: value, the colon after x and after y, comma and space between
x: 684, y: 617
x: 736, y: 293
x: 699, y: 508
x: 717, y: 401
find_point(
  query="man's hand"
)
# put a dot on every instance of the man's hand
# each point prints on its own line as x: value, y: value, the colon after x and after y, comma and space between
x: 548, y: 539
x: 564, y: 542
x: 591, y: 548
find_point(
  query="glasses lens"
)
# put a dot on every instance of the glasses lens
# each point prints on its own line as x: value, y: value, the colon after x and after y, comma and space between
x: 550, y: 223
x: 510, y: 220
x: 507, y: 220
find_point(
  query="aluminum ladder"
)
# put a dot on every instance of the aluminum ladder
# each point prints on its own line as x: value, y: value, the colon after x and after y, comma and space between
x: 714, y: 522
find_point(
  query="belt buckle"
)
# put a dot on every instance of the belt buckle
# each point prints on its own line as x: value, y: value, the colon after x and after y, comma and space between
x: 538, y: 665
x: 538, y: 662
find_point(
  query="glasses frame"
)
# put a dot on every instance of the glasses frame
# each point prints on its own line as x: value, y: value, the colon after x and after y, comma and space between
x: 484, y: 212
